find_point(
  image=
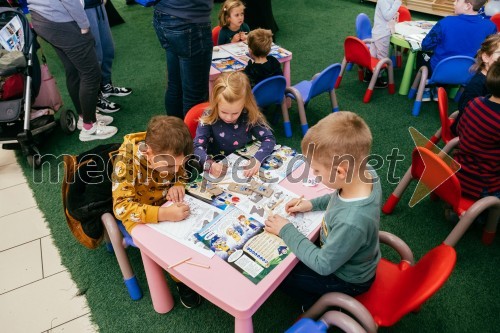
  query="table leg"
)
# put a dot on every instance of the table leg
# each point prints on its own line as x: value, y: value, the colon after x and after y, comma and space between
x: 243, y: 325
x: 161, y: 296
x: 406, y: 80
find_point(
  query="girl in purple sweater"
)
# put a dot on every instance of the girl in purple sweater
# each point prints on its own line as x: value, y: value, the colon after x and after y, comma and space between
x: 229, y: 124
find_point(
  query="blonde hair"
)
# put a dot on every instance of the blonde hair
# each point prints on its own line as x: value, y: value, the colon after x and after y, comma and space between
x: 225, y: 11
x: 339, y: 134
x: 260, y: 41
x: 488, y: 47
x: 233, y: 87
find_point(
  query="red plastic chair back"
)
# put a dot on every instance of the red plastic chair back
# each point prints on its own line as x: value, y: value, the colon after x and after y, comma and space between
x: 356, y: 52
x: 430, y: 169
x: 193, y: 116
x: 215, y: 35
x: 496, y: 19
x: 404, y: 14
x: 400, y: 288
x: 446, y: 122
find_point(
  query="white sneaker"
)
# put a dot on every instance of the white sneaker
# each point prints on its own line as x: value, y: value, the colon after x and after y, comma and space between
x: 100, y: 118
x: 99, y: 131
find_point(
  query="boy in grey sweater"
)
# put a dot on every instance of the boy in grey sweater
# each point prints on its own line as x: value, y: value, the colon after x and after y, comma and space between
x: 337, y: 148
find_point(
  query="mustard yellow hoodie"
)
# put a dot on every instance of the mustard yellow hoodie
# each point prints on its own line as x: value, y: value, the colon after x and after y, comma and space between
x: 138, y: 191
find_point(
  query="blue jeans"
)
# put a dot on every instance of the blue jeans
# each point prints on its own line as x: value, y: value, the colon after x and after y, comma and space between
x: 189, y: 56
x: 307, y: 286
x: 104, y: 46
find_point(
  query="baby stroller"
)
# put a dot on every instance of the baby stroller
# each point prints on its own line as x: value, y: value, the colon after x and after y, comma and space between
x: 20, y: 126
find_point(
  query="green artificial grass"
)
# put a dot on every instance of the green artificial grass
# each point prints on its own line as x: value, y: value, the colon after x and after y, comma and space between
x: 314, y: 31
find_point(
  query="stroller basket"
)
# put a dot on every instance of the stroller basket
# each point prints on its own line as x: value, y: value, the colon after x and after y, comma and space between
x: 10, y: 110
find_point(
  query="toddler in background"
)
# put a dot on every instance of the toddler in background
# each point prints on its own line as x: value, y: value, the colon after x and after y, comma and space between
x: 231, y: 17
x: 229, y: 124
x: 486, y: 56
x: 263, y: 65
x: 386, y: 14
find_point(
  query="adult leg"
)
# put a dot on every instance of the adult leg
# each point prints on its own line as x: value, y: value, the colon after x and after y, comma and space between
x: 107, y: 47
x: 172, y: 34
x: 79, y: 58
x: 195, y: 68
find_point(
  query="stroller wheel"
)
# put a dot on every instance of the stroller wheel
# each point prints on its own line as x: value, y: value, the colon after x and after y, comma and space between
x: 67, y: 121
x: 34, y: 161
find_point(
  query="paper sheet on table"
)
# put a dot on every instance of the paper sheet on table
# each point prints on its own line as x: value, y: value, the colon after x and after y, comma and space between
x: 183, y: 231
x: 236, y: 49
x: 218, y: 53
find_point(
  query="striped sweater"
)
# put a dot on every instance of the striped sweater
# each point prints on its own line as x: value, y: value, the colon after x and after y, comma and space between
x: 479, y: 148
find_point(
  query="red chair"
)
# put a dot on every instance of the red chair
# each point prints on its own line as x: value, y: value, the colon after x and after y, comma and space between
x: 193, y: 116
x: 496, y: 19
x: 444, y: 133
x: 215, y: 35
x: 404, y: 15
x: 356, y: 52
x: 399, y: 288
x: 430, y: 169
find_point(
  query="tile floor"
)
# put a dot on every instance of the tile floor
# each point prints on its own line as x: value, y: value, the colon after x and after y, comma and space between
x: 37, y: 293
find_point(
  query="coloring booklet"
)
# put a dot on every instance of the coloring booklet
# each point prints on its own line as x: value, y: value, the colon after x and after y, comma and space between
x: 12, y: 35
x: 260, y: 207
x: 276, y: 167
x: 227, y: 64
x: 278, y: 52
x: 183, y: 231
x: 241, y: 241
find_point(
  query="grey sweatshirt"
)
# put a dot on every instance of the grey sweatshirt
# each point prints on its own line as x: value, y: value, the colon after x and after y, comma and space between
x: 61, y: 11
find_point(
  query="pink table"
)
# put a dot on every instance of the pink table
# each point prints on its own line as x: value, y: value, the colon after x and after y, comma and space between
x: 221, y: 284
x: 214, y: 73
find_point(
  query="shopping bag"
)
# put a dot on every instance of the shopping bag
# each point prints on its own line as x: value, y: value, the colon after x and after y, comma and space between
x: 49, y: 95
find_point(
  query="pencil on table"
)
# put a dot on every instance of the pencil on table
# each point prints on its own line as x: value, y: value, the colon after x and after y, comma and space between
x: 196, y: 264
x: 179, y: 262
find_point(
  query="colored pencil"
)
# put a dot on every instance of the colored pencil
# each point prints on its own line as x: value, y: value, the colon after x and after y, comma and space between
x: 179, y: 262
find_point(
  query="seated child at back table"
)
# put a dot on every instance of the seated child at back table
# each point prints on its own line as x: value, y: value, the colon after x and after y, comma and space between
x: 229, y: 124
x: 147, y: 171
x: 263, y: 65
x: 231, y: 17
x: 346, y: 260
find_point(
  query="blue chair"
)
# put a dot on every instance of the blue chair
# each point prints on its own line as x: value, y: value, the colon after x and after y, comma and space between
x: 117, y: 240
x: 304, y: 91
x: 363, y: 31
x: 271, y: 91
x: 452, y: 70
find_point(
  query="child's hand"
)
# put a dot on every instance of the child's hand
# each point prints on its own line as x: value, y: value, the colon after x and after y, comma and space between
x: 243, y: 36
x: 176, y: 193
x: 236, y: 38
x: 304, y: 206
x: 252, y: 168
x: 217, y: 170
x: 176, y: 212
x: 274, y: 223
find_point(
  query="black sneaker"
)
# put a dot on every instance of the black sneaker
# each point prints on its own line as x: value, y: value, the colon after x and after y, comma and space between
x: 105, y: 106
x: 367, y: 76
x: 380, y: 83
x: 110, y: 90
x: 189, y: 298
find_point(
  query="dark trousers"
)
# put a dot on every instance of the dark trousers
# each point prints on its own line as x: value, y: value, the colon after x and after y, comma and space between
x: 424, y: 59
x: 188, y: 48
x: 307, y: 286
x: 78, y: 56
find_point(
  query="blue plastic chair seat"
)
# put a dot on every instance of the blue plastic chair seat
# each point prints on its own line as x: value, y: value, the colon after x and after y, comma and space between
x: 304, y: 87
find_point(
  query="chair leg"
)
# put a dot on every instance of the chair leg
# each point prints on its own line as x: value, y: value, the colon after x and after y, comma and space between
x: 349, y: 66
x: 333, y: 99
x: 300, y: 106
x: 115, y: 236
x: 342, y: 69
x: 286, y: 119
x: 421, y: 87
x: 394, y: 198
